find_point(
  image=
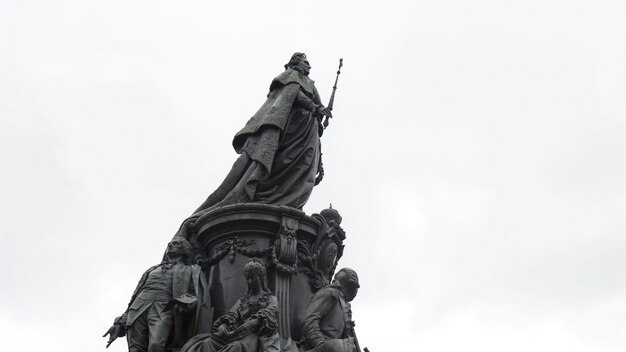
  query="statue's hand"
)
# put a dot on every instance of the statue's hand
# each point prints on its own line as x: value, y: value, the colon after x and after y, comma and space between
x: 114, y: 332
x: 251, y: 324
x: 222, y: 330
x: 324, y: 111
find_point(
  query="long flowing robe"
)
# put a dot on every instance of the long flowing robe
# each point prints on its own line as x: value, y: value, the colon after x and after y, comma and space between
x: 279, y: 147
x: 264, y: 339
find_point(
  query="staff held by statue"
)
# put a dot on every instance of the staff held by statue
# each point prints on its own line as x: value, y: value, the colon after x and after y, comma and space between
x: 332, y: 96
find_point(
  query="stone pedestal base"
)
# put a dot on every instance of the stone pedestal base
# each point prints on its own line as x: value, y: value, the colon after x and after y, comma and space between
x: 300, y: 251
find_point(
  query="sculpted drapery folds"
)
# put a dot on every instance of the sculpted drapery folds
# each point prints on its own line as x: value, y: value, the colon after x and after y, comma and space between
x: 280, y: 159
x: 250, y: 326
x: 328, y: 325
x: 168, y: 306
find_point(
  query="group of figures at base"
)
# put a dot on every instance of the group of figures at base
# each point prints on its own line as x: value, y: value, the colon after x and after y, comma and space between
x: 169, y: 306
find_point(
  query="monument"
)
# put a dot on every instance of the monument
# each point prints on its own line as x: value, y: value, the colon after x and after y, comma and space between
x: 249, y: 270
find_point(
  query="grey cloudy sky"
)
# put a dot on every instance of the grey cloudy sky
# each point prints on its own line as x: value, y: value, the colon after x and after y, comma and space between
x: 478, y: 156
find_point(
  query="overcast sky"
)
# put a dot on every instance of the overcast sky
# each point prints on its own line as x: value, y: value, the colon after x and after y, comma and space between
x: 477, y: 155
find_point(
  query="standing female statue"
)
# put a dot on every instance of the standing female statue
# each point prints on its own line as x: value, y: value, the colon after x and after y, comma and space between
x: 280, y: 159
x: 252, y: 323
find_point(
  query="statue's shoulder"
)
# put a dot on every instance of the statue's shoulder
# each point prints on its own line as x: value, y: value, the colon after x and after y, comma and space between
x: 328, y: 292
x: 272, y: 299
x: 152, y: 268
x: 286, y: 77
x: 290, y: 76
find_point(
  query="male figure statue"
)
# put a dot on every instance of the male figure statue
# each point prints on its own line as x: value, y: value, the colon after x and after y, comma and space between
x: 328, y: 325
x: 168, y: 305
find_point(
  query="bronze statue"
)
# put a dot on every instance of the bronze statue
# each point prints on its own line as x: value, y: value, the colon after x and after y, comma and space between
x: 328, y: 325
x: 168, y: 306
x: 280, y: 159
x: 256, y: 212
x: 252, y: 323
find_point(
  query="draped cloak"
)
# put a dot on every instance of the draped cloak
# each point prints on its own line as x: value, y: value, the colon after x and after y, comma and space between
x: 279, y: 147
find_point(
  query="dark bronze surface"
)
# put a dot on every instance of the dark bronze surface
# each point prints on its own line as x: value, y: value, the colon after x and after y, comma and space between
x: 254, y: 216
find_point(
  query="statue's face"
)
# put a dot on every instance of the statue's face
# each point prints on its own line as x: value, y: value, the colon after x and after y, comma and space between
x: 350, y: 290
x: 349, y: 283
x: 304, y: 66
x: 253, y: 281
x: 175, y: 248
x: 329, y: 257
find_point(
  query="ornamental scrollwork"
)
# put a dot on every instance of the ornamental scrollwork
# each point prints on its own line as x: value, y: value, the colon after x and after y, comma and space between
x: 231, y: 247
x: 319, y: 260
x: 284, y: 253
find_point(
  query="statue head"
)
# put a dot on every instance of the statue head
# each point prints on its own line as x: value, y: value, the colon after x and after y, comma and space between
x: 328, y: 259
x: 331, y: 214
x: 254, y: 272
x: 347, y: 281
x: 178, y: 248
x: 299, y: 63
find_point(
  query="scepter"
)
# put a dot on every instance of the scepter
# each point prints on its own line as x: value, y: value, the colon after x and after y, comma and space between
x: 332, y: 96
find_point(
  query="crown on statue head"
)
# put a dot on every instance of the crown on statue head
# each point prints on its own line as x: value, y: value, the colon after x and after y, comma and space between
x: 331, y: 214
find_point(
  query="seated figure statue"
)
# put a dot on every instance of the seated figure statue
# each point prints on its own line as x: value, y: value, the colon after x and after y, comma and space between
x: 328, y: 325
x: 250, y: 326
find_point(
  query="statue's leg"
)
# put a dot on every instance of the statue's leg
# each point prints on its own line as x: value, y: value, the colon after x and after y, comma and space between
x: 160, y: 327
x: 137, y: 335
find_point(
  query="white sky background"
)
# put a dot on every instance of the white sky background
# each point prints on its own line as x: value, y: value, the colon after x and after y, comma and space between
x: 477, y: 155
